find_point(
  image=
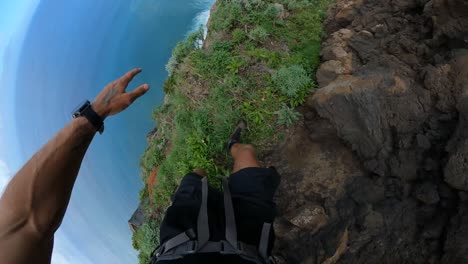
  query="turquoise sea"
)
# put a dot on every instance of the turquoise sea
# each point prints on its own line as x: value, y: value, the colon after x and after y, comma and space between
x: 70, y: 51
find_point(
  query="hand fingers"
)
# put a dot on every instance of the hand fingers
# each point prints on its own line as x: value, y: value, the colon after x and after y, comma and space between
x: 128, y: 77
x: 141, y: 90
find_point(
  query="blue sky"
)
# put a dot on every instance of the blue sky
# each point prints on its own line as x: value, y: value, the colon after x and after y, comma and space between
x: 13, y: 22
x: 13, y: 25
x: 53, y: 55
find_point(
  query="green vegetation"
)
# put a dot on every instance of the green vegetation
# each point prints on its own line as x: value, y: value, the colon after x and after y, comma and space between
x: 145, y: 239
x: 257, y: 65
x: 287, y: 116
x: 258, y: 34
x: 292, y: 82
x: 183, y: 48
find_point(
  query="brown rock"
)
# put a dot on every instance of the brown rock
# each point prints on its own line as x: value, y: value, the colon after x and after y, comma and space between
x: 345, y: 15
x: 282, y: 227
x: 338, y: 38
x: 340, y: 250
x: 457, y: 165
x: 328, y: 72
x: 334, y: 53
x: 310, y: 217
x: 364, y: 108
x: 364, y: 45
x: 456, y: 171
x: 390, y: 83
x: 450, y: 18
x: 423, y: 141
x: 456, y: 246
x: 380, y: 30
x: 374, y: 220
x: 344, y: 33
x: 404, y: 4
x: 427, y: 193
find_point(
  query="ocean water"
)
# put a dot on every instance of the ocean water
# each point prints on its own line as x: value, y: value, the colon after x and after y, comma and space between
x: 71, y: 50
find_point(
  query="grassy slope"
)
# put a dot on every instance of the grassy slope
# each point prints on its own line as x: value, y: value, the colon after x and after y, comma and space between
x: 255, y: 66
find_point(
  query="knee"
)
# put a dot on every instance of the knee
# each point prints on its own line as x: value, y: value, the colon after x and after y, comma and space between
x: 200, y: 172
x: 242, y: 149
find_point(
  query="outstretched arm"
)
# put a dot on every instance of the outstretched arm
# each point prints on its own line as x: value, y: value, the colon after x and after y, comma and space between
x: 35, y: 200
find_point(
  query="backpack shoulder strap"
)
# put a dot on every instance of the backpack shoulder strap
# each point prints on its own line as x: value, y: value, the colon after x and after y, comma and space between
x: 231, y: 229
x: 264, y: 241
x: 203, y: 228
x: 176, y: 241
x: 184, y: 243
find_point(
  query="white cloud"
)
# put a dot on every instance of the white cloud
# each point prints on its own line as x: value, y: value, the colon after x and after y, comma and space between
x: 4, y: 176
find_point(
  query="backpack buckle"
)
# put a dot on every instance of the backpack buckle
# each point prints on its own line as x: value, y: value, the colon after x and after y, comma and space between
x: 240, y: 247
x: 191, y: 247
x: 227, y: 248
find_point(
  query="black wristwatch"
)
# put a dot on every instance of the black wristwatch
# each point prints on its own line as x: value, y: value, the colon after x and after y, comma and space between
x: 87, y: 111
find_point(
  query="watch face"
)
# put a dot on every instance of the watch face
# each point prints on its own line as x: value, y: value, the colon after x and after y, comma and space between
x: 80, y: 108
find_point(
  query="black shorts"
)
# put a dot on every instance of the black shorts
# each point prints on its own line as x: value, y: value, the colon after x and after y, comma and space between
x: 252, y: 191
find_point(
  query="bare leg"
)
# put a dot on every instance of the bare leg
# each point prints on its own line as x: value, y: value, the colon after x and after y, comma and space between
x: 200, y: 172
x: 244, y: 157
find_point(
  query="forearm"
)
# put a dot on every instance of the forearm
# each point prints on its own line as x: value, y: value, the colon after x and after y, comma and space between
x: 35, y: 201
x: 38, y: 195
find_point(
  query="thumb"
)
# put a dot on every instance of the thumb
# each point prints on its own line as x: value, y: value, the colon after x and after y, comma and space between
x: 141, y: 90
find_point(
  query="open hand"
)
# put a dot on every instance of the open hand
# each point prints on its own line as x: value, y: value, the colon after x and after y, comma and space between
x: 114, y: 99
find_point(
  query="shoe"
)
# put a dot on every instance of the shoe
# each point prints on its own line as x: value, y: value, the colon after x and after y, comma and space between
x: 235, y: 136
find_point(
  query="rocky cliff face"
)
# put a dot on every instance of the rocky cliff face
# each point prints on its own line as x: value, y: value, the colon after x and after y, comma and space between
x: 377, y: 172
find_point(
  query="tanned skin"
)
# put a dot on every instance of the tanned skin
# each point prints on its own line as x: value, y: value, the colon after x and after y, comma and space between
x: 34, y: 202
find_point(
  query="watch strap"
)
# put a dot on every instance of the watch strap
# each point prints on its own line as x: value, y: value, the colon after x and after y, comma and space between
x: 87, y: 111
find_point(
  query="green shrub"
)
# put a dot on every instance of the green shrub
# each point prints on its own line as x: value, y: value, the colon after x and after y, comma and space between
x: 272, y: 58
x: 238, y: 35
x: 183, y: 48
x: 258, y: 34
x: 289, y: 81
x: 305, y: 32
x: 225, y: 17
x: 287, y: 116
x: 272, y: 11
x: 251, y: 5
x: 215, y: 63
x: 169, y: 84
x: 146, y: 239
x: 223, y: 46
x: 295, y: 4
x: 307, y: 55
x: 237, y: 63
x: 143, y: 194
x: 153, y: 155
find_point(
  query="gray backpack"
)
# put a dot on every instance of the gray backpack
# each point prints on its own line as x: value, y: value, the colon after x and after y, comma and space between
x: 188, y: 242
